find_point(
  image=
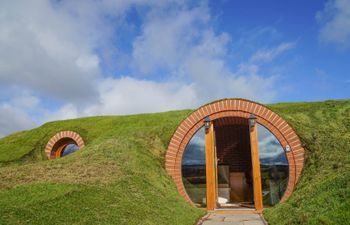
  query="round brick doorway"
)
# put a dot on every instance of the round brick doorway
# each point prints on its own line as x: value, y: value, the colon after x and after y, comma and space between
x: 242, y: 109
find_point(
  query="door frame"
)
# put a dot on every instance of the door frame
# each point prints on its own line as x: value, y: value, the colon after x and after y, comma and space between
x: 254, y: 148
x: 211, y: 167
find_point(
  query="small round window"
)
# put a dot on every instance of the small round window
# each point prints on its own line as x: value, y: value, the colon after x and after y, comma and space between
x: 63, y: 144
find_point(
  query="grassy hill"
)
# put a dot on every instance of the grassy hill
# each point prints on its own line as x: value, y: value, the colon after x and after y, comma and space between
x: 119, y: 177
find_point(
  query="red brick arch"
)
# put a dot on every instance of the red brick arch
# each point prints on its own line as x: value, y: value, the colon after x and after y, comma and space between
x: 234, y: 108
x: 60, y: 138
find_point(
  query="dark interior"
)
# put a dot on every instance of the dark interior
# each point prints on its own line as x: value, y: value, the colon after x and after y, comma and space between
x: 235, y: 184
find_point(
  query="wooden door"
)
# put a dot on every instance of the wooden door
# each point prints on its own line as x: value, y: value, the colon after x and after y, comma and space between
x: 256, y: 168
x: 211, y: 167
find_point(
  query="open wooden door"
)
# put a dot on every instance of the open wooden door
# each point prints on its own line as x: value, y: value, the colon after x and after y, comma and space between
x: 256, y: 168
x: 211, y: 167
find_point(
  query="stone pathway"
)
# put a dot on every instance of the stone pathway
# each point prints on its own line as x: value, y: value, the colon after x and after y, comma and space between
x: 233, y: 219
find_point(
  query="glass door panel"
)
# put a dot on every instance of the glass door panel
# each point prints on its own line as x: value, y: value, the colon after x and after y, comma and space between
x: 193, y: 169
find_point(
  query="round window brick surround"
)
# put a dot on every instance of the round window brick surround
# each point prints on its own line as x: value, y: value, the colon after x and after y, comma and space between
x: 61, y: 136
x: 240, y: 108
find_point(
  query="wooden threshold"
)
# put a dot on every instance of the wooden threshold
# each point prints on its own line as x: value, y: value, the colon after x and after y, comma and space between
x: 232, y: 211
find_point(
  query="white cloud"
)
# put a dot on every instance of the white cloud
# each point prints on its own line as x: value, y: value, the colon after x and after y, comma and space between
x: 49, y: 48
x: 184, y: 43
x: 335, y: 23
x: 127, y: 95
x: 130, y: 96
x: 42, y: 49
x: 25, y: 101
x: 15, y: 112
x: 68, y: 111
x: 267, y: 55
x: 166, y: 37
x: 13, y: 119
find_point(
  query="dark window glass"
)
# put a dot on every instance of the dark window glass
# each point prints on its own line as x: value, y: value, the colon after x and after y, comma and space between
x: 69, y: 149
x: 193, y: 168
x: 273, y: 166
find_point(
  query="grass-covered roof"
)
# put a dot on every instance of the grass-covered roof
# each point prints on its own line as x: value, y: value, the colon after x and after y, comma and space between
x: 119, y: 177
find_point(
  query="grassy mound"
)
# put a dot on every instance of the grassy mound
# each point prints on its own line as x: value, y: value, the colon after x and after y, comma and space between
x: 322, y: 195
x: 119, y: 177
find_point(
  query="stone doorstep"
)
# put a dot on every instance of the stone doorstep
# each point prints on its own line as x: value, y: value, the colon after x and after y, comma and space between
x: 233, y: 223
x: 232, y: 219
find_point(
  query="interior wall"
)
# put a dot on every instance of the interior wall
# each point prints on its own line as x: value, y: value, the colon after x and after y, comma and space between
x: 233, y: 147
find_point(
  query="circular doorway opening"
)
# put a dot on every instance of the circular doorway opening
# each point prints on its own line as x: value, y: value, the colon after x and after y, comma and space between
x: 281, y: 152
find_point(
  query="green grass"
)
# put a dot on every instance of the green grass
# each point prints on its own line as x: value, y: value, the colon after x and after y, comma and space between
x: 119, y: 177
x: 322, y: 195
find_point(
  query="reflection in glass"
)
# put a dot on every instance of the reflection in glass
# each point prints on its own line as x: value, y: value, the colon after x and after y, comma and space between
x: 273, y: 166
x: 69, y: 149
x: 193, y: 168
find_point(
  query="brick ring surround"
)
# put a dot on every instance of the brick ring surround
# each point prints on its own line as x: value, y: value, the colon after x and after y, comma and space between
x: 234, y: 108
x: 60, y: 136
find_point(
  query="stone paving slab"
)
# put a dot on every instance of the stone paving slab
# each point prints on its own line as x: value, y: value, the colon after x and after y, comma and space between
x: 233, y: 219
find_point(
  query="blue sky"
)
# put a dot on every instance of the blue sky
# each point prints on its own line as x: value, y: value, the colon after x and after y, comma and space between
x: 67, y: 59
